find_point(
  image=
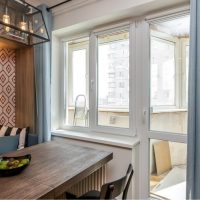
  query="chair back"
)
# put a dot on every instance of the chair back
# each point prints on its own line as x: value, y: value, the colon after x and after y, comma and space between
x: 114, y: 189
x: 129, y: 175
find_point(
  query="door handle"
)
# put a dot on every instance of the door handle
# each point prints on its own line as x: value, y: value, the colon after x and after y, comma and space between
x: 92, y: 85
x: 144, y: 115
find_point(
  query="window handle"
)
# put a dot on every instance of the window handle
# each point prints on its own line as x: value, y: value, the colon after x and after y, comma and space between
x: 144, y: 114
x: 92, y: 84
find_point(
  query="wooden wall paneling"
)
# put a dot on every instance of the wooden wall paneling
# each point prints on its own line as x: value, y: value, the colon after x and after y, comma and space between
x: 25, y: 88
x: 4, y: 43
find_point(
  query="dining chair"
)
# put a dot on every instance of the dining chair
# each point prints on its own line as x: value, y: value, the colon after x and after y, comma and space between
x: 109, y: 190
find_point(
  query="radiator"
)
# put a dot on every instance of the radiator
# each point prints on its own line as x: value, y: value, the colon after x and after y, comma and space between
x: 92, y: 182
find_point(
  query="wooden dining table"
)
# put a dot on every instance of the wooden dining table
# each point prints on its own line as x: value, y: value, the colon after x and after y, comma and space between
x: 55, y: 166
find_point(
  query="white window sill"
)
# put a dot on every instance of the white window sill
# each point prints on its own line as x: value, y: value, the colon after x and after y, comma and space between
x: 120, y: 110
x: 101, y: 138
x: 171, y: 110
x: 155, y: 110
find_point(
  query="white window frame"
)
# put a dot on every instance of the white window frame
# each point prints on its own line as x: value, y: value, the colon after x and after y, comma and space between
x: 184, y: 43
x: 96, y: 127
x: 139, y: 111
x: 93, y: 107
x: 180, y: 72
x: 169, y: 39
x: 66, y: 94
x: 70, y: 65
x: 146, y: 133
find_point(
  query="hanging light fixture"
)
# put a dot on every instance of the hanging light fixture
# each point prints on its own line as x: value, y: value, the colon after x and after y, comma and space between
x: 22, y: 22
x: 6, y: 19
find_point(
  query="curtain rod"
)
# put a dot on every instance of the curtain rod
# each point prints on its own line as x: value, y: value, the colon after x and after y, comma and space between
x: 59, y: 4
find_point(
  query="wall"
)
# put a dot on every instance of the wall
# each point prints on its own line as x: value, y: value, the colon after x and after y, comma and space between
x: 167, y: 121
x: 173, y: 122
x: 178, y: 154
x: 7, y: 87
x: 17, y: 88
x: 25, y: 88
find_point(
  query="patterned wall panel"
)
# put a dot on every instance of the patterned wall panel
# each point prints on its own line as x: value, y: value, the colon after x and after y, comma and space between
x: 7, y: 87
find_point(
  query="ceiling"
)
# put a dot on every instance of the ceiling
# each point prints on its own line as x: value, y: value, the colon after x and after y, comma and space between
x: 178, y: 27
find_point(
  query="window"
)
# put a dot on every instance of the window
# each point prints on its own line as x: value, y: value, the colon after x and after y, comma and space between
x: 168, y: 162
x: 187, y: 50
x: 112, y: 85
x: 163, y: 69
x: 167, y: 134
x: 121, y: 85
x: 130, y: 93
x: 77, y: 82
x: 79, y: 72
x: 113, y: 78
x: 169, y: 80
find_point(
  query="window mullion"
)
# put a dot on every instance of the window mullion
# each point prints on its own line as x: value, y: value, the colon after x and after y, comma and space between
x: 93, y: 82
x: 132, y: 80
x: 178, y: 93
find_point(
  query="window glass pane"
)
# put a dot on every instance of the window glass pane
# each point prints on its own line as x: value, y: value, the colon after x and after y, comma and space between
x: 187, y: 70
x: 79, y: 72
x: 167, y: 169
x: 169, y: 75
x: 77, y: 83
x: 162, y: 72
x: 113, y: 80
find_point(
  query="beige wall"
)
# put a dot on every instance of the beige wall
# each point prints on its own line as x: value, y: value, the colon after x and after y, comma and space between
x: 175, y: 122
x: 171, y: 121
x: 178, y: 153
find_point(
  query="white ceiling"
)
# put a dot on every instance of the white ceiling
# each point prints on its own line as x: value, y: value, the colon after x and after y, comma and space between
x: 179, y: 27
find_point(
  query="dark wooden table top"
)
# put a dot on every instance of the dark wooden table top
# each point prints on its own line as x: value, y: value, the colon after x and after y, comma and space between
x: 55, y: 167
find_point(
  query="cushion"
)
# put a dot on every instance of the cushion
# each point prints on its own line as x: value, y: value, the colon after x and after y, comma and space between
x: 9, y: 143
x: 13, y: 131
x: 32, y: 139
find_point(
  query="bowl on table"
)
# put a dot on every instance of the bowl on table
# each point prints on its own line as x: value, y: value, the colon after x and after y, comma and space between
x: 11, y: 166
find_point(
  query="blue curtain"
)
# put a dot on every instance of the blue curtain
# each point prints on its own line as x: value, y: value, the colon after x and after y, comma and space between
x: 193, y: 167
x: 42, y: 53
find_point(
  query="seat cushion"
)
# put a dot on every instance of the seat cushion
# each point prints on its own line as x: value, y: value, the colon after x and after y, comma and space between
x: 9, y: 143
x: 91, y: 195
